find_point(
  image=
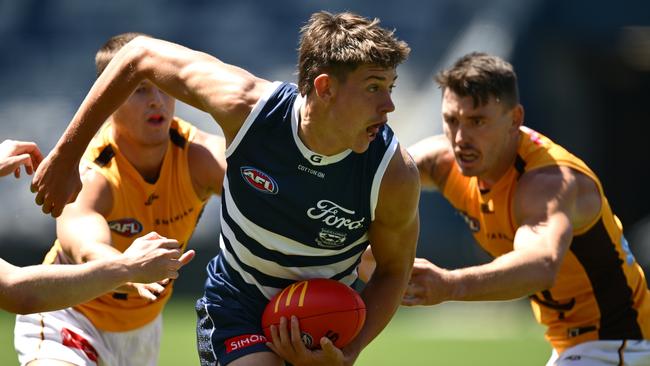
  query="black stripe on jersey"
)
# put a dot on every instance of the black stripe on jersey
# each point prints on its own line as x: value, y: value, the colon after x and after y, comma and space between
x: 176, y: 138
x: 520, y: 165
x: 286, y: 260
x: 105, y: 156
x: 271, y: 281
x: 598, y: 255
x: 348, y: 270
x: 262, y: 278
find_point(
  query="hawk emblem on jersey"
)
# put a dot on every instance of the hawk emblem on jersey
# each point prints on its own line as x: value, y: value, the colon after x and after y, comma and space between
x: 126, y: 227
x: 259, y: 180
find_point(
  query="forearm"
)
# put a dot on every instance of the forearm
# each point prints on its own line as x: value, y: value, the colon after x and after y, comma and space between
x: 507, y: 277
x: 382, y: 296
x: 110, y: 90
x: 50, y: 287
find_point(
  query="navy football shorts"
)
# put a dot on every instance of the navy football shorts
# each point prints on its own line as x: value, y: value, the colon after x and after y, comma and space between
x: 229, y: 325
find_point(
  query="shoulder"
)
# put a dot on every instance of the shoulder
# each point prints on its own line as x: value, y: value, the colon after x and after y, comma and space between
x: 207, y: 163
x: 400, y: 186
x: 557, y: 188
x: 434, y: 158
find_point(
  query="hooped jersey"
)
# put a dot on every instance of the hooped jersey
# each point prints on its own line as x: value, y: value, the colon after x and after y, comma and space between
x: 287, y: 213
x: 169, y: 206
x: 600, y: 292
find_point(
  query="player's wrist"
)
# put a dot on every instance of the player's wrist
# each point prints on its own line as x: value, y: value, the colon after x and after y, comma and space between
x: 454, y: 286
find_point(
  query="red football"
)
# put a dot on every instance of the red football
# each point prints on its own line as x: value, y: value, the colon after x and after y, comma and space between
x: 324, y: 307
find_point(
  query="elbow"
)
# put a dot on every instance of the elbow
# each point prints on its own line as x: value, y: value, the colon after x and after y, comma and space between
x: 133, y: 57
x: 548, y: 270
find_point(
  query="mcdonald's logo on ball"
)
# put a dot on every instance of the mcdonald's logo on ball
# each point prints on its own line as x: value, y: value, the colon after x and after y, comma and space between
x: 324, y: 308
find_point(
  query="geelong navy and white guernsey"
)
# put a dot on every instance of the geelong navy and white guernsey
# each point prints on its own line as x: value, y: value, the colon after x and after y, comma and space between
x: 288, y: 213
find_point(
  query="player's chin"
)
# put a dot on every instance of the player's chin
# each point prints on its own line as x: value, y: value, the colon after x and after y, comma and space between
x: 361, y: 145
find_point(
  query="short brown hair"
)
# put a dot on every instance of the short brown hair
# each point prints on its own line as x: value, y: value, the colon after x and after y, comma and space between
x: 480, y: 76
x: 106, y: 53
x: 339, y: 43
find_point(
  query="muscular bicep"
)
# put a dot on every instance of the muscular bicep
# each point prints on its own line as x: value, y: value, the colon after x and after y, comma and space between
x: 545, y: 207
x: 82, y: 229
x: 225, y: 91
x: 394, y: 233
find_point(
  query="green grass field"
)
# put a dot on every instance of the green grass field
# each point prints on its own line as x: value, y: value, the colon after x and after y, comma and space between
x: 449, y: 334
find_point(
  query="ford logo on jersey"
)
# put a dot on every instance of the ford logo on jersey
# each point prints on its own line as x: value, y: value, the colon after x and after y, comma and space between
x: 259, y: 180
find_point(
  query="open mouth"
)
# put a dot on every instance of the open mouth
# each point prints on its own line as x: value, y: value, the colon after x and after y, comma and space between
x: 467, y: 156
x: 156, y: 119
x: 374, y: 130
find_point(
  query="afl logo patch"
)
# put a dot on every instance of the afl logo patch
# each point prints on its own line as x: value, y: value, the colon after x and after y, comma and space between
x: 126, y: 227
x: 259, y: 180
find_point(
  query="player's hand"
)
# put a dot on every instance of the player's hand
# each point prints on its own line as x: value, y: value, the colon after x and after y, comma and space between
x: 427, y: 285
x: 152, y: 257
x: 14, y: 154
x: 288, y: 345
x: 149, y: 291
x: 56, y: 183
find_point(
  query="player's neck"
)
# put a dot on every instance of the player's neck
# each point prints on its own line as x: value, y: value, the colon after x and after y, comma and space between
x: 314, y: 131
x: 147, y: 160
x: 504, y: 163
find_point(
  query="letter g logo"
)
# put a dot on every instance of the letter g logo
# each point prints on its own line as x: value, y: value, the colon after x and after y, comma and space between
x: 316, y: 158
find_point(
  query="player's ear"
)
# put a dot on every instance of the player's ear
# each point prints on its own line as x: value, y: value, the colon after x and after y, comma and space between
x: 324, y: 86
x: 517, y: 117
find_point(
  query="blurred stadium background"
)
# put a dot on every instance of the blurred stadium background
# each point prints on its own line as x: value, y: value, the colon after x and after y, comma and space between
x: 584, y: 69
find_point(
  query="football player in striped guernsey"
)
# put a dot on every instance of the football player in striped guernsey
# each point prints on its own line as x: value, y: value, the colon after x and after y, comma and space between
x: 314, y: 177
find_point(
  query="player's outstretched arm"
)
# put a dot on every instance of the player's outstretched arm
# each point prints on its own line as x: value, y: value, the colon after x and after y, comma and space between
x: 393, y: 238
x: 50, y: 287
x: 545, y: 209
x: 84, y: 234
x: 16, y: 154
x: 225, y: 91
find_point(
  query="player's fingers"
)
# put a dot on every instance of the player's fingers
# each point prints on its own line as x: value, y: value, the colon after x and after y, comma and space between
x: 155, y: 287
x: 187, y: 257
x: 57, y: 210
x: 275, y: 338
x: 410, y: 300
x: 327, y: 346
x: 170, y: 244
x: 46, y: 206
x: 151, y: 236
x: 164, y: 282
x: 296, y: 339
x: 285, y: 338
x: 17, y: 172
x: 29, y: 169
x: 147, y: 294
